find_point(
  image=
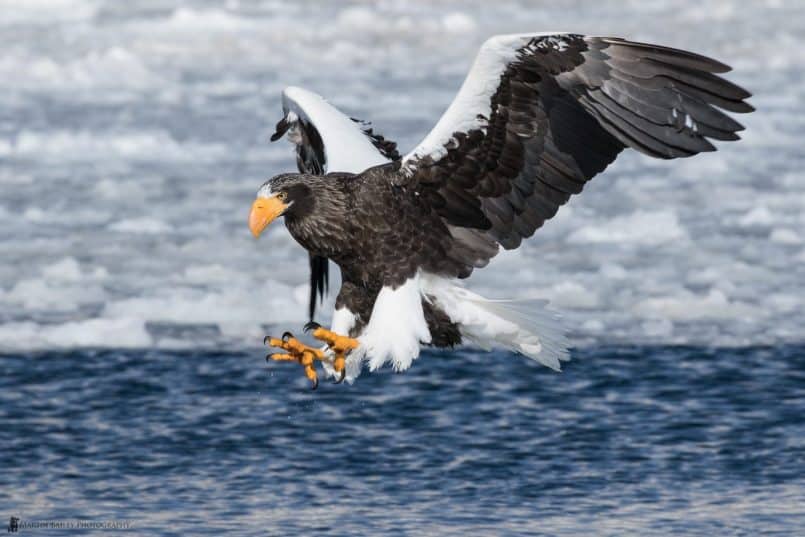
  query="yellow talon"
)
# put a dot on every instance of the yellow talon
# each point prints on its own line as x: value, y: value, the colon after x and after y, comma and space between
x: 283, y: 357
x: 340, y: 363
x: 340, y: 345
x: 306, y: 356
x: 336, y: 342
x: 297, y: 352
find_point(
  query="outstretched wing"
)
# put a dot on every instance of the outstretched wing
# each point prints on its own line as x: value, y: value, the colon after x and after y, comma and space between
x: 327, y: 141
x: 540, y: 115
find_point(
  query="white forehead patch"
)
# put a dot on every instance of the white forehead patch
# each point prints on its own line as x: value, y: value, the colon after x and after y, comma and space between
x: 265, y: 191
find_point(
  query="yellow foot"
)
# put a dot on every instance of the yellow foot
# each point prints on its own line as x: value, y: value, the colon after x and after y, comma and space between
x: 340, y: 345
x: 296, y: 352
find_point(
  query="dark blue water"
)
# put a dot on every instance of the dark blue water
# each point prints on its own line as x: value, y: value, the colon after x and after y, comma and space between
x: 628, y: 440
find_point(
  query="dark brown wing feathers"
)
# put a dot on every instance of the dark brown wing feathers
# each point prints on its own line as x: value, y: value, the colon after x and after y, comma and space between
x: 561, y: 114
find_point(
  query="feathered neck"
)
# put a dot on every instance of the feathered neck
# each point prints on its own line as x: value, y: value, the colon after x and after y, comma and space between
x: 321, y: 228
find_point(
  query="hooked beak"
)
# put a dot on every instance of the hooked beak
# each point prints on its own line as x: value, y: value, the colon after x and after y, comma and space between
x: 264, y: 211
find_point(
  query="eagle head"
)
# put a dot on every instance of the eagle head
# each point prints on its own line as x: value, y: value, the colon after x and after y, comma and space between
x: 288, y: 194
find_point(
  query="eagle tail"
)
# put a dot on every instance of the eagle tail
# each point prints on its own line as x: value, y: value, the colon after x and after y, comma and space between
x: 528, y: 327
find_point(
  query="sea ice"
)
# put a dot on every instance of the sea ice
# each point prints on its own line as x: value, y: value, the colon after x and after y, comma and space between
x: 133, y: 137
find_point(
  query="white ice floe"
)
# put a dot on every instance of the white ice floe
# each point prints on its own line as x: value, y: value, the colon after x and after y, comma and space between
x: 570, y: 295
x: 40, y: 12
x: 113, y: 68
x: 688, y: 306
x: 207, y: 20
x: 785, y: 236
x: 48, y: 296
x: 140, y: 225
x: 82, y: 145
x: 88, y: 333
x: 70, y: 270
x: 458, y: 23
x: 640, y: 227
x: 757, y: 217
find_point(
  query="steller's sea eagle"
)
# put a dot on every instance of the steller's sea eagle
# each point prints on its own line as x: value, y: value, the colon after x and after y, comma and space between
x: 536, y: 118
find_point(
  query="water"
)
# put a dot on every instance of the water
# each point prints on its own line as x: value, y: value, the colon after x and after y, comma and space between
x: 633, y: 440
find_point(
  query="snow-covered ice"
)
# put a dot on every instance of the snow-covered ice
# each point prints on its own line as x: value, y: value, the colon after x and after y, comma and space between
x: 134, y: 135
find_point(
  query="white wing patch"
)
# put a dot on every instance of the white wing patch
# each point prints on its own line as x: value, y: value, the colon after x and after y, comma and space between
x: 474, y: 97
x: 346, y: 147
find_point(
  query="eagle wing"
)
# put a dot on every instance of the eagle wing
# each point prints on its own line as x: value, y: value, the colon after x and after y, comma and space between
x: 328, y: 141
x: 540, y: 115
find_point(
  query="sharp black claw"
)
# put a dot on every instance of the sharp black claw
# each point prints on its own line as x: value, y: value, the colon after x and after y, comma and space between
x: 343, y: 376
x: 265, y: 340
x: 268, y: 356
x: 286, y: 336
x: 315, y: 384
x: 312, y: 325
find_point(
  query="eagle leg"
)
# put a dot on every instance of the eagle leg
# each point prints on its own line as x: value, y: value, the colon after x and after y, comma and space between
x: 340, y: 345
x: 296, y: 352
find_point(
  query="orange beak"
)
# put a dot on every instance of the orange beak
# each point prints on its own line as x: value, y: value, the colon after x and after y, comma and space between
x: 264, y: 211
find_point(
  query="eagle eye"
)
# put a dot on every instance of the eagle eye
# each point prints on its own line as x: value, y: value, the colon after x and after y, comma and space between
x: 282, y: 196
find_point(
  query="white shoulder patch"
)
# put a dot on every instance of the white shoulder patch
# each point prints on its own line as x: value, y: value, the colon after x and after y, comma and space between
x: 475, y: 96
x: 346, y: 147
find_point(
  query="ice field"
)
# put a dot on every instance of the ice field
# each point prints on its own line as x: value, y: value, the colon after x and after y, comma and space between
x: 133, y: 136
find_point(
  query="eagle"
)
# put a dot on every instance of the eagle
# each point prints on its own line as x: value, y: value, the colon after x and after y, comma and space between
x: 537, y: 116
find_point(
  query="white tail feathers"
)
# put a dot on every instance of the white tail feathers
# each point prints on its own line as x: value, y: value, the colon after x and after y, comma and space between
x: 397, y: 326
x: 524, y: 326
